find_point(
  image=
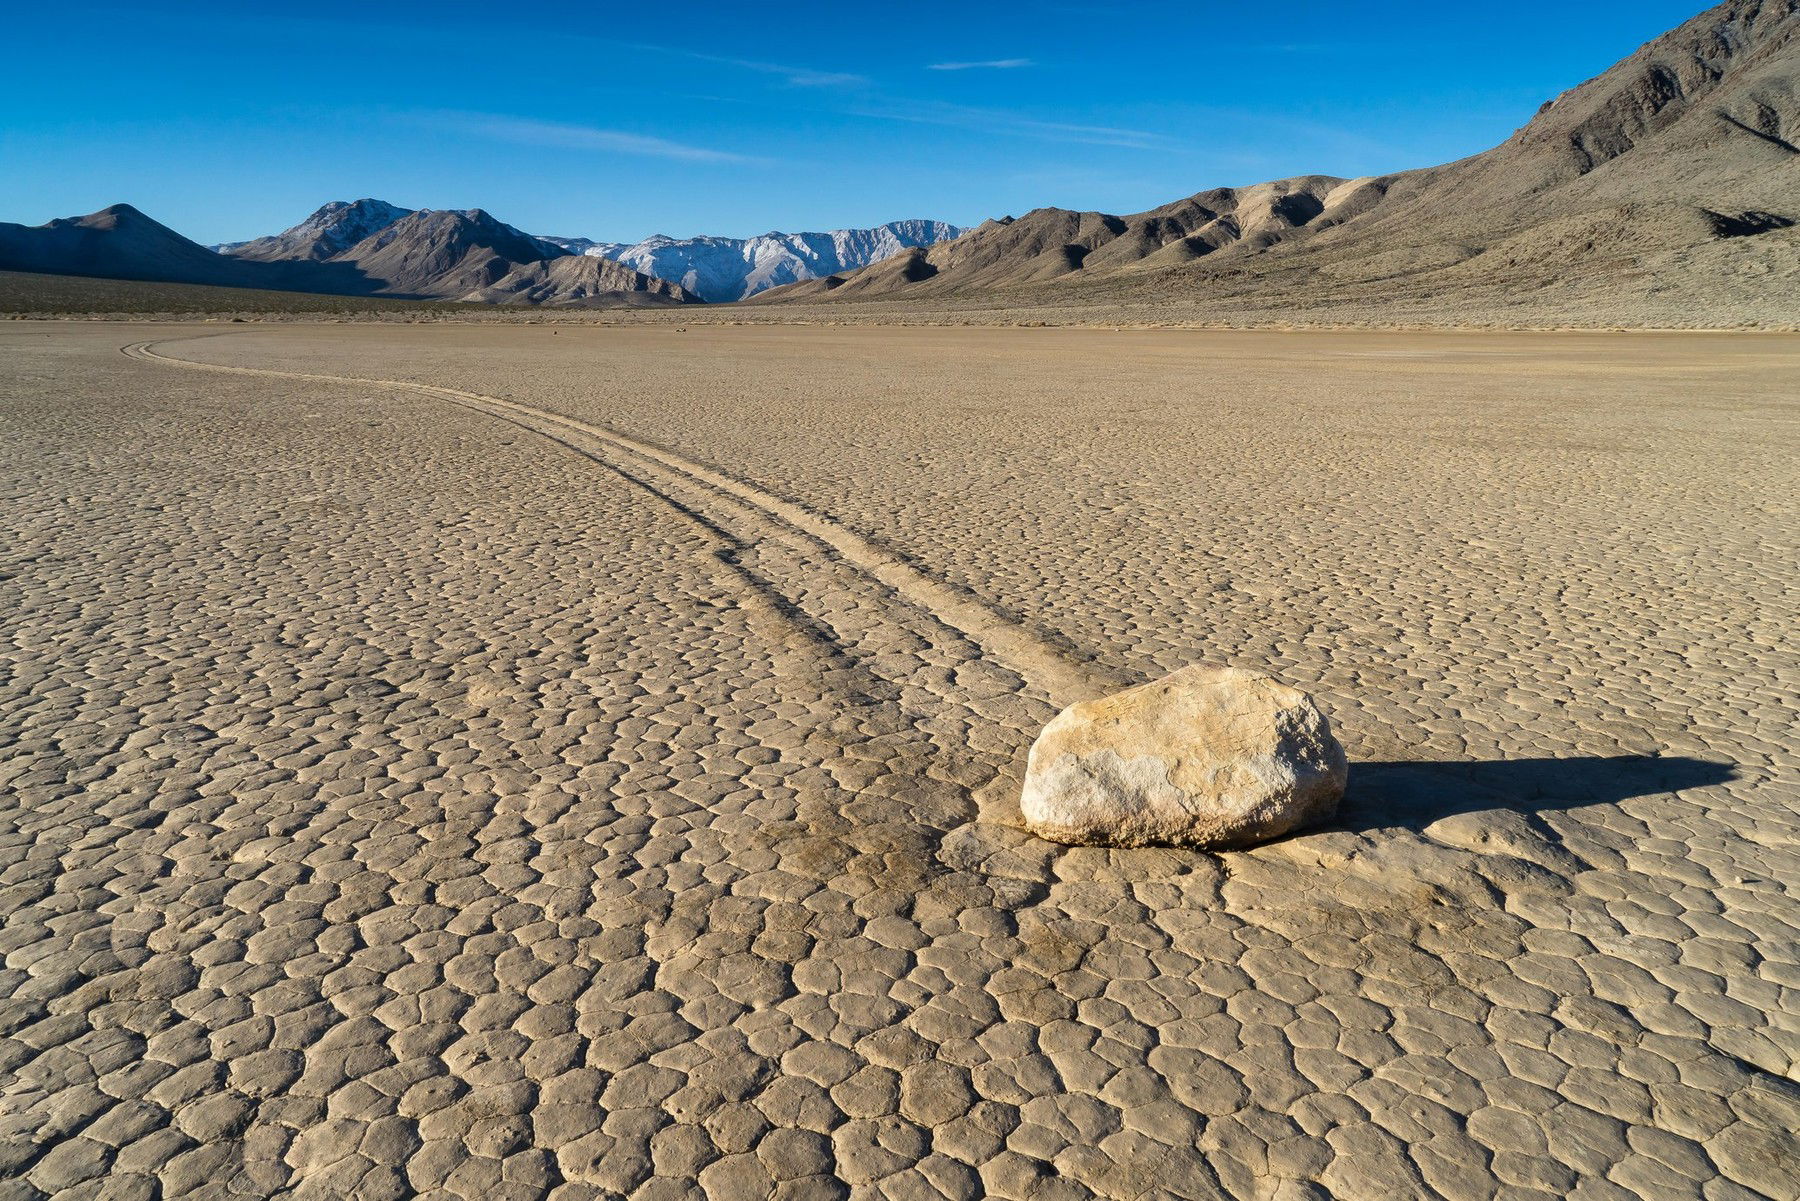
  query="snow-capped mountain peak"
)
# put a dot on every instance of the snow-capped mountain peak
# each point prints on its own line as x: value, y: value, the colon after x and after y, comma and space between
x: 720, y: 269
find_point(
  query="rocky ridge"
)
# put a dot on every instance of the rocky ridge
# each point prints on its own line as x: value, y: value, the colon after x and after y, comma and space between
x: 1654, y: 171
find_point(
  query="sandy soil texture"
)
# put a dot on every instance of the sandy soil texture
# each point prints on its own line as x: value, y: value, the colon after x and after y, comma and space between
x: 582, y: 763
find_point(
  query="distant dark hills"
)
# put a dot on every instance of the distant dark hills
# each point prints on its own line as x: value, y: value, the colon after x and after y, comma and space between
x: 356, y: 248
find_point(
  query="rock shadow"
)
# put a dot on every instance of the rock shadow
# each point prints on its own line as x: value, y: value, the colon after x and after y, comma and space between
x: 1413, y: 795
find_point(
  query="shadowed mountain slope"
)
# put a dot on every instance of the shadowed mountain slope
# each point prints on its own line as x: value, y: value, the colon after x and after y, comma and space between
x: 445, y: 254
x: 119, y: 242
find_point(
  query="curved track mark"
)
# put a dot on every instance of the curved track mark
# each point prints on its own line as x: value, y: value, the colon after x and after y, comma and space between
x: 1035, y: 658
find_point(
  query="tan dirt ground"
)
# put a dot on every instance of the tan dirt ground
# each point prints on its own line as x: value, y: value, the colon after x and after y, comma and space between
x: 588, y: 767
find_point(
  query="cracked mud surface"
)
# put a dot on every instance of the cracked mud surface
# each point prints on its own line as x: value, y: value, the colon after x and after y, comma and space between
x: 584, y: 765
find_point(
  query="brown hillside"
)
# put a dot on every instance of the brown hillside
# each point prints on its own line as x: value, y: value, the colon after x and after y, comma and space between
x: 1655, y: 165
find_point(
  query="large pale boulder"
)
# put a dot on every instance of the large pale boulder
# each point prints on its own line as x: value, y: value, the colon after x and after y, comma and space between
x: 1206, y: 757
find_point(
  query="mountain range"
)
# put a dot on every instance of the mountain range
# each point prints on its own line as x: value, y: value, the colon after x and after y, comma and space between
x: 359, y: 248
x: 1665, y: 188
x: 371, y: 247
x: 713, y: 268
x: 1649, y: 176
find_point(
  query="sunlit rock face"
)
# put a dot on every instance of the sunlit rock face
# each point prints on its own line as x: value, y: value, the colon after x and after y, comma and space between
x: 1206, y: 757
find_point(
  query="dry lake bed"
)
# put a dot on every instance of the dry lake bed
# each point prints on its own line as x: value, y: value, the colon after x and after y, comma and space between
x: 582, y: 762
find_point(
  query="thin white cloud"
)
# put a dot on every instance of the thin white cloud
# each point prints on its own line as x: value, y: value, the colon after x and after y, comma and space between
x: 800, y: 77
x: 992, y: 64
x: 996, y: 121
x: 526, y: 131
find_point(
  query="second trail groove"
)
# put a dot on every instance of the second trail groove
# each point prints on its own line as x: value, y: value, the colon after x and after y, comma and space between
x: 734, y: 503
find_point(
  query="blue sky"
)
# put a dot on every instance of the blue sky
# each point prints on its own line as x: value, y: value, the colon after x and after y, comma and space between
x: 617, y: 121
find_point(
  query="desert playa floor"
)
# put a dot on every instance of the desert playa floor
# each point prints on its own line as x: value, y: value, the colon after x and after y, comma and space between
x: 585, y: 767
